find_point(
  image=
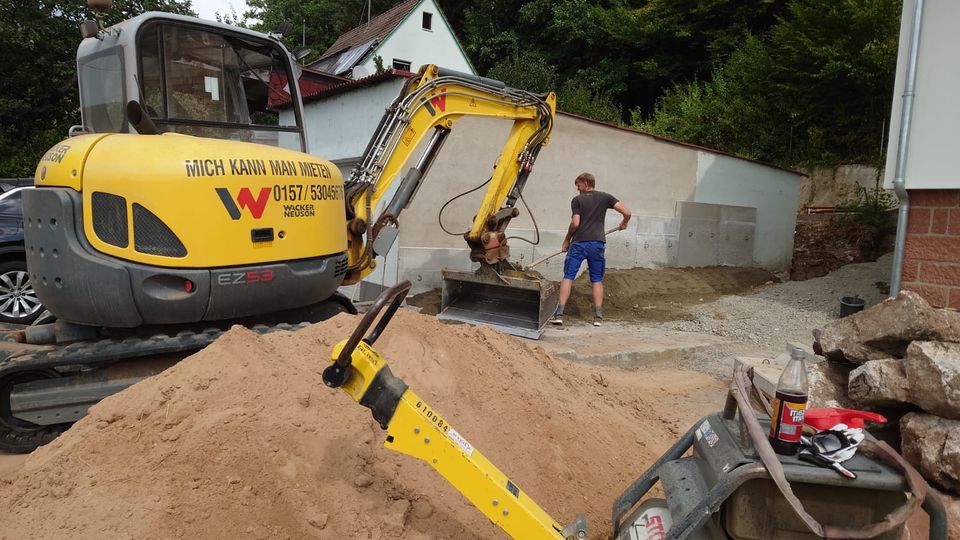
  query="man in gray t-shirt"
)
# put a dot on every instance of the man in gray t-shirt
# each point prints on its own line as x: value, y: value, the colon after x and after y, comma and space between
x: 586, y: 241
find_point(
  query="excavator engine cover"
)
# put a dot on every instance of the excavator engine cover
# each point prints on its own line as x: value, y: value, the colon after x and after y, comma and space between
x: 518, y: 303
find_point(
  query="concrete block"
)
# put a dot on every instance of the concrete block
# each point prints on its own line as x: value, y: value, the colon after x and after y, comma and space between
x: 422, y: 266
x: 738, y: 213
x: 698, y: 242
x: 422, y: 280
x: 654, y: 225
x: 736, y: 243
x: 692, y: 210
x: 656, y: 250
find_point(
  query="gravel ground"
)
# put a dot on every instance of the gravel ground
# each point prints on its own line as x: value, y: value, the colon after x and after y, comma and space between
x: 762, y: 322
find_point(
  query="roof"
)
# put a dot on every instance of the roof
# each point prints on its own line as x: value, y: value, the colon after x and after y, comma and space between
x: 374, y: 30
x: 318, y: 93
x: 349, y: 86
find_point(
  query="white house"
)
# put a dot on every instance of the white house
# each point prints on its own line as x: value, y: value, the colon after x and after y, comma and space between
x: 404, y: 38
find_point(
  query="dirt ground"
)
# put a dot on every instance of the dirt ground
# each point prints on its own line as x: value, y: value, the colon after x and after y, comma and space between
x: 642, y: 295
x: 244, y: 440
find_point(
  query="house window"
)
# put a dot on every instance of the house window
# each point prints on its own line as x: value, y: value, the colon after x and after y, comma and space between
x: 427, y: 21
x: 403, y: 65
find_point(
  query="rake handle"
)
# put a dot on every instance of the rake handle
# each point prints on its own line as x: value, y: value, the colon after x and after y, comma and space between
x: 552, y: 255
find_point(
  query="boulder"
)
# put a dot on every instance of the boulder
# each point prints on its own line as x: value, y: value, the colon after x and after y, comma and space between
x: 933, y: 372
x: 932, y: 445
x: 828, y: 385
x: 885, y: 330
x: 879, y: 382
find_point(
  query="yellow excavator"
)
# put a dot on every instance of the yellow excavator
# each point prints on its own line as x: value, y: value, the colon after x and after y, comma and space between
x: 186, y: 202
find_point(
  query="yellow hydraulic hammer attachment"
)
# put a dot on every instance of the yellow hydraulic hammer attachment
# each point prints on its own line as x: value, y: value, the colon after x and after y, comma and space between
x: 416, y: 429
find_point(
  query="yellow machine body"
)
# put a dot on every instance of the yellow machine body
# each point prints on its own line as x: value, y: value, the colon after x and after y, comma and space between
x: 211, y: 194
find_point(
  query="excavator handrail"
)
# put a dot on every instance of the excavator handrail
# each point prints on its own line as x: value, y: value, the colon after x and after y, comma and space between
x: 338, y: 372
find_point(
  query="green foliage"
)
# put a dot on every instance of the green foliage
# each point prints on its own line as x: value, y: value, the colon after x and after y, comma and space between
x: 38, y: 91
x: 378, y: 64
x: 816, y: 90
x: 872, y: 208
x: 731, y: 111
x: 527, y: 70
x: 576, y: 97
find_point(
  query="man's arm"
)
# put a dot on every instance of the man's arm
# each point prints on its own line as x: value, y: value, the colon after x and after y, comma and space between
x: 625, y: 212
x: 574, y: 225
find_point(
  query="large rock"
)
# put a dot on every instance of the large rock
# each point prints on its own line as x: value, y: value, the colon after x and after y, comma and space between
x: 932, y: 445
x: 880, y: 382
x: 933, y: 371
x: 828, y: 385
x: 885, y: 330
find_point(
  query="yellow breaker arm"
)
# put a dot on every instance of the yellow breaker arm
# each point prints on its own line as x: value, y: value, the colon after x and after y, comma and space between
x: 416, y: 429
x: 428, y: 105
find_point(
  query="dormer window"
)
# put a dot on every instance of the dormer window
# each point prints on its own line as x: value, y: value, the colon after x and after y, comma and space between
x: 402, y: 65
x: 427, y: 21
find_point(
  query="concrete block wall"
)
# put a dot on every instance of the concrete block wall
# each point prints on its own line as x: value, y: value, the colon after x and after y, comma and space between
x: 931, y: 263
x: 715, y: 234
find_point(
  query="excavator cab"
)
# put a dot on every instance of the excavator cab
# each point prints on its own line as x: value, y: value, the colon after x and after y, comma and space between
x: 203, y: 79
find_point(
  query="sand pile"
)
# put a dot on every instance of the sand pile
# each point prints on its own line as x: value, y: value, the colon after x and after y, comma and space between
x: 244, y: 440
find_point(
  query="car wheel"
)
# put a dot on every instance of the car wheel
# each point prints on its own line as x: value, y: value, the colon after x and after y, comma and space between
x: 18, y: 301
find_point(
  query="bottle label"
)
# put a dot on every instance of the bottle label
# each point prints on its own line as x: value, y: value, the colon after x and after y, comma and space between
x: 789, y: 424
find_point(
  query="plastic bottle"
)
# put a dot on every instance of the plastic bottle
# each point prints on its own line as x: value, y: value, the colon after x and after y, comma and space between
x: 789, y: 405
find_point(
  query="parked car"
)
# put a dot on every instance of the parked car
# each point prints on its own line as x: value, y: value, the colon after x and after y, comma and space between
x: 18, y: 302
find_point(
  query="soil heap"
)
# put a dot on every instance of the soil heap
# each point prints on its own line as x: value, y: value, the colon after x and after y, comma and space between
x: 243, y: 440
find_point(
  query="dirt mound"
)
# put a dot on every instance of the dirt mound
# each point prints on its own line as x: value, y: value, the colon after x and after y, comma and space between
x: 243, y: 440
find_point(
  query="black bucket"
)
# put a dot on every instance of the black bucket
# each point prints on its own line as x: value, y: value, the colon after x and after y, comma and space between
x: 850, y: 305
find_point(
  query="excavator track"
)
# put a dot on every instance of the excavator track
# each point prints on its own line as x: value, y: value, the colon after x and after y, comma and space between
x: 76, y: 375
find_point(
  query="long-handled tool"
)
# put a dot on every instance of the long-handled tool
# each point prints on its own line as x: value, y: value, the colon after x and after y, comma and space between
x: 552, y: 255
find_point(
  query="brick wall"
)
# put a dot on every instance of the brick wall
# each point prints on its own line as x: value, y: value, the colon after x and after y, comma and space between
x: 931, y: 261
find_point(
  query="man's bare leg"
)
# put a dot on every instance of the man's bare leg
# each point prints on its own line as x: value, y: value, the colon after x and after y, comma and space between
x: 565, y: 287
x: 597, y: 302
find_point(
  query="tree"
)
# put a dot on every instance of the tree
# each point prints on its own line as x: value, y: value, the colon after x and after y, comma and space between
x: 816, y: 90
x: 38, y: 90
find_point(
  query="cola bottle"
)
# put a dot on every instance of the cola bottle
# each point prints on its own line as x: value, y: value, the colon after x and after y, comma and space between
x: 789, y: 405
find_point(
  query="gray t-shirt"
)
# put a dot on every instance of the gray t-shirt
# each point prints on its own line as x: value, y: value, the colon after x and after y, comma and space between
x: 592, y: 207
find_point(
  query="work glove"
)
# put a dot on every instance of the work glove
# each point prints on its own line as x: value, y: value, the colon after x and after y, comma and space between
x: 831, y: 447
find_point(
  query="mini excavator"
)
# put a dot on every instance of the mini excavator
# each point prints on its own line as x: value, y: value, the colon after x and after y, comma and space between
x: 186, y: 203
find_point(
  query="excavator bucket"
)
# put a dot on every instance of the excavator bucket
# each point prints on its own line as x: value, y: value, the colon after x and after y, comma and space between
x: 514, y: 302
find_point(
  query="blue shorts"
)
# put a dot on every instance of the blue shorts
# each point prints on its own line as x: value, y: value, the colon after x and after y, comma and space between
x: 593, y: 252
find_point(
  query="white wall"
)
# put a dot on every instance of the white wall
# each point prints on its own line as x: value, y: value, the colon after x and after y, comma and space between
x: 773, y: 192
x: 410, y: 42
x: 653, y: 177
x: 339, y: 127
x: 934, y: 144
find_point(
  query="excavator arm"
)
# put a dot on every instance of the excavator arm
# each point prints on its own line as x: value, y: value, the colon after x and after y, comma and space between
x: 415, y: 428
x: 427, y: 107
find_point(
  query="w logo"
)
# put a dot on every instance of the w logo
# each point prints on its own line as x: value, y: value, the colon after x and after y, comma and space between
x: 244, y: 200
x: 436, y: 102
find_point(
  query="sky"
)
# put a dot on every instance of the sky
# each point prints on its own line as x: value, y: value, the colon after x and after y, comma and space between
x: 207, y: 9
